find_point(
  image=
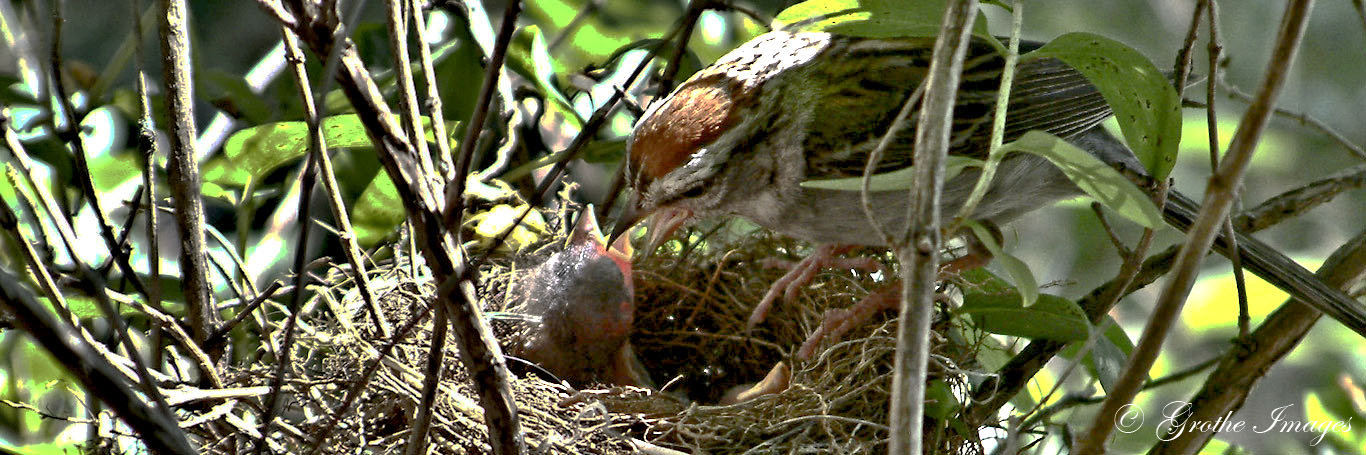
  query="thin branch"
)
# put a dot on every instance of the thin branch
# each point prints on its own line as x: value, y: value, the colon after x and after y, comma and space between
x: 182, y: 169
x: 246, y: 310
x: 317, y: 146
x: 147, y: 144
x: 433, y: 103
x: 1240, y: 369
x: 1303, y: 118
x: 998, y: 118
x: 160, y: 432
x: 284, y: 357
x: 355, y: 391
x: 1293, y: 203
x: 919, y: 254
x: 397, y: 20
x: 422, y: 198
x: 431, y: 380
x: 689, y: 21
x: 1218, y: 201
x: 1216, y: 48
x: 455, y: 191
x: 71, y: 135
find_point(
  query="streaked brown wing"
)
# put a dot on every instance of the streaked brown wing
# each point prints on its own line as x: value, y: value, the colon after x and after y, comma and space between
x: 871, y: 79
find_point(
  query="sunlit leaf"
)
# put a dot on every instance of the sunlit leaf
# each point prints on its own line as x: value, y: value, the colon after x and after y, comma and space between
x: 377, y: 211
x: 1106, y: 185
x: 872, y: 18
x: 488, y: 226
x: 257, y: 151
x: 1144, y: 101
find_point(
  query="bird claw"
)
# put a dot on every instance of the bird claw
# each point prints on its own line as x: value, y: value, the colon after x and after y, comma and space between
x: 800, y: 273
x: 838, y: 321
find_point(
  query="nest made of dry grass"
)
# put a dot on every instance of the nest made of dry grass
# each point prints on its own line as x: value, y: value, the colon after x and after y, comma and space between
x: 693, y: 301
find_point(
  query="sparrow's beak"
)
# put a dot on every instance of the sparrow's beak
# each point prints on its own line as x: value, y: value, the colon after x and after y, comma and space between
x: 665, y: 221
x: 630, y: 215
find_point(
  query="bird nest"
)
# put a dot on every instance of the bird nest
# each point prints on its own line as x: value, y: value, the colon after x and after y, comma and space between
x: 693, y: 300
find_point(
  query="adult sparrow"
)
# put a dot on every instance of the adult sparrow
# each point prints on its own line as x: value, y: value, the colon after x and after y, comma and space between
x: 738, y: 138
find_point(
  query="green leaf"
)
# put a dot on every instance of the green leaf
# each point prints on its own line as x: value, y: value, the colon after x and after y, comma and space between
x: 997, y: 309
x: 231, y: 93
x: 377, y: 211
x: 529, y: 56
x: 899, y: 179
x: 940, y: 402
x: 1097, y: 179
x: 489, y: 225
x: 1144, y: 101
x: 873, y: 18
x: 109, y: 171
x: 1105, y: 361
x: 255, y: 152
x: 1023, y: 279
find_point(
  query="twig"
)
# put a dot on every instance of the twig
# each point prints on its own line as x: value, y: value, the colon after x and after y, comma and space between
x: 182, y: 169
x: 1110, y: 231
x: 284, y: 357
x: 433, y: 103
x: 317, y: 146
x: 158, y: 429
x: 1303, y: 118
x: 245, y: 311
x: 397, y: 20
x: 354, y: 392
x: 689, y: 21
x: 71, y: 135
x: 1239, y: 370
x: 48, y: 203
x: 479, y: 351
x: 998, y: 119
x: 875, y: 156
x: 919, y: 253
x: 431, y: 381
x: 1295, y: 202
x: 1069, y: 401
x: 1218, y: 200
x: 147, y: 144
x: 1216, y: 48
x: 9, y: 222
x: 455, y: 190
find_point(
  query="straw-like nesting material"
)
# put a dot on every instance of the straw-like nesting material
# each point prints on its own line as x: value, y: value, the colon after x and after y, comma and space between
x: 693, y: 301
